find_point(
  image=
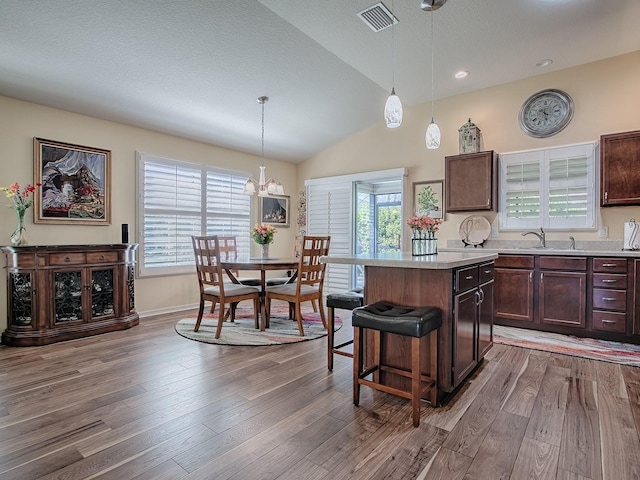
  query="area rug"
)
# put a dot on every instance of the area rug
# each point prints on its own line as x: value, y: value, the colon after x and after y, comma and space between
x: 282, y: 329
x: 615, y: 352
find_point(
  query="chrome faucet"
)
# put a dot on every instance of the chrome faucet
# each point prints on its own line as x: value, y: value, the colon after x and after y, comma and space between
x: 541, y: 236
x: 573, y: 243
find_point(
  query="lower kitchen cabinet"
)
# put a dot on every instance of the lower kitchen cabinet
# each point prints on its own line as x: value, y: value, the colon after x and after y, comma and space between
x: 562, y: 291
x: 587, y: 296
x: 514, y: 289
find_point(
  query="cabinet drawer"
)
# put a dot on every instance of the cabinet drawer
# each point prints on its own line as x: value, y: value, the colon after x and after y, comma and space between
x: 486, y: 272
x: 608, y: 280
x: 563, y: 263
x: 102, y: 257
x: 74, y: 258
x: 466, y: 278
x: 609, y: 299
x: 514, y: 261
x: 609, y: 321
x: 617, y: 265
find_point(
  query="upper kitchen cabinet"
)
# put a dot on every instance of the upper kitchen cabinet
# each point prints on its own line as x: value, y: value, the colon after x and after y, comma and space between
x: 471, y: 182
x: 619, y: 172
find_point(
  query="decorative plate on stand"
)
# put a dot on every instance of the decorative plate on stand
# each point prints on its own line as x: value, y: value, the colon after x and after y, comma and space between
x: 474, y: 230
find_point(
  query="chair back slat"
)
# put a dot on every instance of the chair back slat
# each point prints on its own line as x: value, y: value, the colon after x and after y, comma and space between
x: 207, y: 256
x: 310, y: 270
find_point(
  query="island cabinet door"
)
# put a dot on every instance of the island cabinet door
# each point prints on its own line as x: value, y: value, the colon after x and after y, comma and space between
x: 465, y: 352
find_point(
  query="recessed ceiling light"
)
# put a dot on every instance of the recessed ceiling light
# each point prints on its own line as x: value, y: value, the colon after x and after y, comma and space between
x: 461, y: 74
x: 544, y: 63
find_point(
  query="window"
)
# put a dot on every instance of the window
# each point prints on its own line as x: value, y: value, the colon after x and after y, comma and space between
x: 177, y: 200
x: 331, y: 210
x: 553, y: 188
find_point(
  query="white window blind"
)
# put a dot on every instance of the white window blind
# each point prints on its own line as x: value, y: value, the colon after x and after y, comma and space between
x: 551, y: 188
x: 329, y: 209
x: 178, y: 200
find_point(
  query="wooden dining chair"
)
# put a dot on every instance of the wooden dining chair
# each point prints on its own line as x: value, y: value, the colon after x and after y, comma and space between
x: 213, y: 288
x: 310, y: 281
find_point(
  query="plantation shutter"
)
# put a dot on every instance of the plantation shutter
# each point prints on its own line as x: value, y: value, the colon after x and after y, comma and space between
x: 551, y: 188
x: 329, y: 212
x: 178, y: 200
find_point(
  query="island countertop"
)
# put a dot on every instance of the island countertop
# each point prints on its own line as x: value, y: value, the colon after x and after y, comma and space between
x: 440, y: 261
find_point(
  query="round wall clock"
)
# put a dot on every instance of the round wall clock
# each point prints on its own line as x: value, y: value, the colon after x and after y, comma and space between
x: 546, y: 113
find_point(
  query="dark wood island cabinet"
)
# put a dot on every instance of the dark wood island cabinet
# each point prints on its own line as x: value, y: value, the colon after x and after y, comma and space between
x: 460, y: 284
x: 57, y: 293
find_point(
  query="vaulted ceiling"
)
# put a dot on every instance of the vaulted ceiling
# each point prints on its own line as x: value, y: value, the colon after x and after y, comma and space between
x: 195, y: 68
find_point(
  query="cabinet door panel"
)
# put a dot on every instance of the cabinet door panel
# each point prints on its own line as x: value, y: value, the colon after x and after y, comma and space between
x: 470, y: 182
x: 464, y: 338
x: 562, y: 298
x: 513, y: 294
x: 619, y: 173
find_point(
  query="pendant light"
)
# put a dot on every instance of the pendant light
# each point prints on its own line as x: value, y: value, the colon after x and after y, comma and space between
x: 432, y: 135
x: 261, y: 187
x: 393, y: 105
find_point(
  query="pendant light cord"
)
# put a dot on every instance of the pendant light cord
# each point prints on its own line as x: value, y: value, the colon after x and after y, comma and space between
x: 432, y: 49
x: 393, y: 48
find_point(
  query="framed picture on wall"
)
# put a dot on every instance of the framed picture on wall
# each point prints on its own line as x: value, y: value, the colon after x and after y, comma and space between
x: 274, y: 210
x: 428, y: 198
x: 75, y: 180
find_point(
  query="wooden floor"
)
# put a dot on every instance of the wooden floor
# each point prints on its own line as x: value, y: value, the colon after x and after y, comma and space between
x: 146, y: 403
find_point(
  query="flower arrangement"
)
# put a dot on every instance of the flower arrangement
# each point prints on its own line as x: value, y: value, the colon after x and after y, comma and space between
x: 263, y: 234
x: 424, y: 222
x: 20, y: 200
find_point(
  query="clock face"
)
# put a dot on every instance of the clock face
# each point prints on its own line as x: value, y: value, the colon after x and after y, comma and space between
x: 546, y: 113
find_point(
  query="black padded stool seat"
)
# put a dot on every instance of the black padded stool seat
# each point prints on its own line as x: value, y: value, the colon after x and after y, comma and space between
x: 344, y: 301
x: 415, y: 322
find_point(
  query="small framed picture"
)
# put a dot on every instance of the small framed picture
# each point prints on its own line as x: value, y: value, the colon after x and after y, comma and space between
x: 274, y: 210
x: 428, y: 198
x: 75, y: 182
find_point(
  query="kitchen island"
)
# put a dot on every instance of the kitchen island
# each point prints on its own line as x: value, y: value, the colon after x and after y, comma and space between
x: 459, y: 283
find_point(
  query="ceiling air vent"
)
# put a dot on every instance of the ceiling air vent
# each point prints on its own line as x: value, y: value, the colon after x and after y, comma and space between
x: 377, y: 17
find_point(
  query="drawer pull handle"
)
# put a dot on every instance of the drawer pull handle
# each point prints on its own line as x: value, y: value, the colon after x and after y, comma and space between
x: 608, y: 281
x: 67, y: 259
x: 101, y: 257
x: 604, y: 320
x: 487, y: 271
x: 470, y: 277
x: 608, y: 299
x: 609, y: 264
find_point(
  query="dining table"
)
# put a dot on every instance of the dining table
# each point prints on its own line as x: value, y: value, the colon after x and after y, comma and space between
x: 263, y: 264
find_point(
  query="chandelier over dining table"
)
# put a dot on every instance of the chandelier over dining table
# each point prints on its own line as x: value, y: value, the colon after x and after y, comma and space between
x: 263, y: 187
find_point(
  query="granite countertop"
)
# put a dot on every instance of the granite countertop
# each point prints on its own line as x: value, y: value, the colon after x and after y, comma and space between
x: 442, y: 261
x: 548, y: 251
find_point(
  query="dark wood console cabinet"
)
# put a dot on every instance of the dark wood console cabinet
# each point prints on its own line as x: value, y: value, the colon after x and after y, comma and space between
x: 57, y: 293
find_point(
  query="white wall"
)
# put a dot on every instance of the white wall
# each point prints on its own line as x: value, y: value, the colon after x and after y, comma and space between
x: 21, y: 121
x: 606, y: 96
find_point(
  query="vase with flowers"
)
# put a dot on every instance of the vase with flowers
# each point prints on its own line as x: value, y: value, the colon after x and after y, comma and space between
x: 423, y: 234
x: 263, y: 235
x: 20, y: 200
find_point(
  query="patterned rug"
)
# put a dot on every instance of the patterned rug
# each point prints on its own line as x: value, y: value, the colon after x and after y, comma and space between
x: 242, y: 332
x: 615, y: 352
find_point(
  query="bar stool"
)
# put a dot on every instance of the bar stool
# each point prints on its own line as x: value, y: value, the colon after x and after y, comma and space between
x: 344, y: 301
x: 415, y: 322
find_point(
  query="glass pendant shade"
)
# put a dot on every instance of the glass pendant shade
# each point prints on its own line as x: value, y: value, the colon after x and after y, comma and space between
x: 393, y: 110
x: 432, y: 137
x: 250, y: 187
